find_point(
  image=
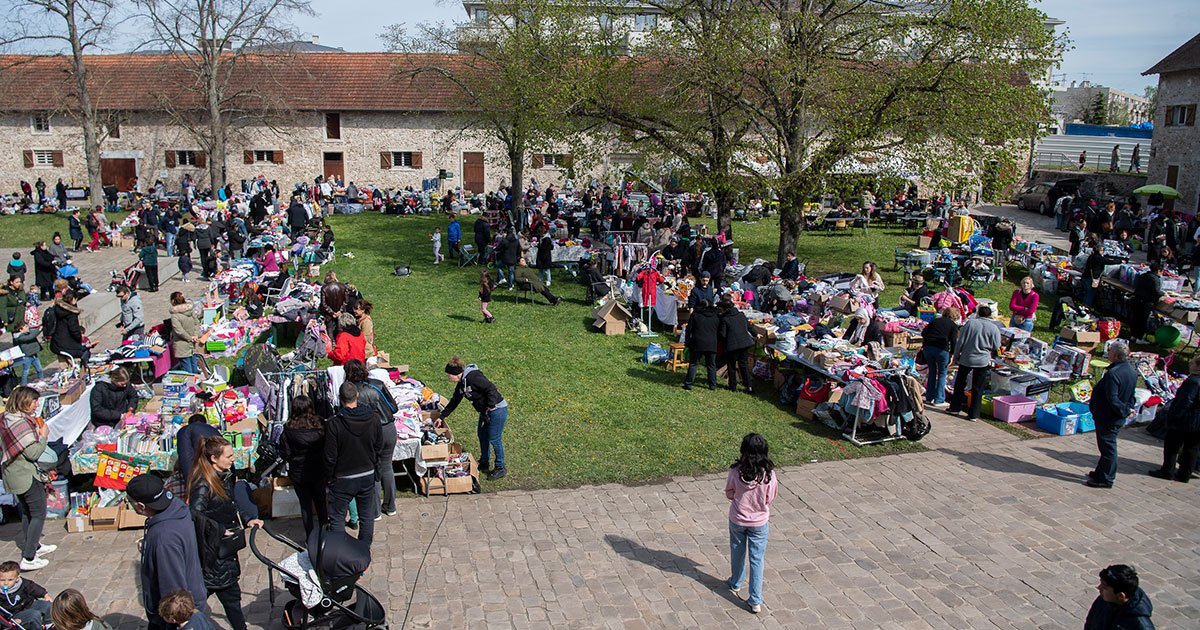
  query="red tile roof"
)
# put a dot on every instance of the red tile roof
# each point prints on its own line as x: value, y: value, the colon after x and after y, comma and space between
x: 307, y: 81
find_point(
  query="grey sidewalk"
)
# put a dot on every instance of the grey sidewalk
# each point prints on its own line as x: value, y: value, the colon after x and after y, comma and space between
x: 985, y: 531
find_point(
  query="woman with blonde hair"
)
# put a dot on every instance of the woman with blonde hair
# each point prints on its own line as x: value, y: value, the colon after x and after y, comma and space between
x: 219, y: 507
x: 70, y: 611
x: 24, y: 437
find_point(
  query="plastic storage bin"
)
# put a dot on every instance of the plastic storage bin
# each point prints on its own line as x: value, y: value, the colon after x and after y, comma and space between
x: 1081, y: 413
x: 1048, y: 419
x: 1014, y: 408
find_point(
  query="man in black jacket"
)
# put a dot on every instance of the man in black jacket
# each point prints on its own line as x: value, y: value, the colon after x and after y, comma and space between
x: 374, y: 395
x: 1111, y: 404
x: 112, y: 399
x: 734, y: 333
x: 703, y: 328
x: 470, y: 383
x: 297, y: 217
x: 483, y: 238
x: 507, y: 256
x: 202, y: 236
x: 1147, y: 291
x: 353, y: 447
x: 170, y: 555
x: 1183, y: 429
x: 791, y: 268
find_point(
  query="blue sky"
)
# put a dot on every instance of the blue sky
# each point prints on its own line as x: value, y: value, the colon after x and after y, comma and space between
x: 1114, y: 40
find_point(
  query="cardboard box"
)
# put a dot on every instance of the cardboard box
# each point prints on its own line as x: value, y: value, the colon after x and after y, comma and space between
x: 69, y: 393
x: 454, y: 485
x: 435, y: 452
x: 1084, y: 340
x: 840, y: 304
x: 78, y: 524
x: 612, y: 318
x: 284, y: 502
x: 924, y: 242
x: 933, y: 224
x: 895, y: 338
x: 835, y: 395
x: 105, y: 518
x: 804, y: 408
x: 128, y: 519
x: 262, y: 499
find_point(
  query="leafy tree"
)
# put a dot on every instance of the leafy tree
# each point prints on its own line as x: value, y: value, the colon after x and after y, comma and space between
x: 1097, y: 114
x: 515, y: 79
x: 941, y: 87
x: 1151, y: 94
x: 78, y: 25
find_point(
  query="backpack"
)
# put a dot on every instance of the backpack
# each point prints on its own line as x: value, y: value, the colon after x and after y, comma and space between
x: 49, y: 323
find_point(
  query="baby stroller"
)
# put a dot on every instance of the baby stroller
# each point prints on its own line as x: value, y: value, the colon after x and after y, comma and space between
x: 129, y: 277
x: 322, y: 576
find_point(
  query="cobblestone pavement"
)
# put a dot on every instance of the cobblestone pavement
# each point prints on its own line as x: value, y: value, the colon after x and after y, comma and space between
x: 982, y: 531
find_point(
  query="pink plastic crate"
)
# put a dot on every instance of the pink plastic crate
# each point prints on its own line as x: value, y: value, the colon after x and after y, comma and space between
x: 1013, y: 408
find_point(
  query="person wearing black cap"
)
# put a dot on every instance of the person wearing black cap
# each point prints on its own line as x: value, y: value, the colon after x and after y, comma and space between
x: 170, y: 557
x: 470, y: 383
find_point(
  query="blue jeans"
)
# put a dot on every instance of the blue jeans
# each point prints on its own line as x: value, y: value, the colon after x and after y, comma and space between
x: 1089, y: 293
x: 1060, y: 220
x: 544, y: 274
x: 34, y: 361
x: 188, y: 364
x: 1106, y: 440
x: 491, y: 428
x: 360, y: 490
x: 753, y: 540
x: 935, y: 382
x: 902, y: 313
x: 169, y: 239
x: 1026, y: 325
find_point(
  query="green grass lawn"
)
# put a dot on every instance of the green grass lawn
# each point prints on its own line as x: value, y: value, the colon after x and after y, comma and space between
x: 584, y: 409
x: 23, y: 230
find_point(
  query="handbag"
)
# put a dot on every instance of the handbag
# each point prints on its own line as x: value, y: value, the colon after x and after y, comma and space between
x: 815, y: 389
x: 232, y: 541
x: 920, y: 358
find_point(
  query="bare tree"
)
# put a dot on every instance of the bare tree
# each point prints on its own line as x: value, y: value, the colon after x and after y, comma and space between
x: 79, y: 25
x: 221, y: 55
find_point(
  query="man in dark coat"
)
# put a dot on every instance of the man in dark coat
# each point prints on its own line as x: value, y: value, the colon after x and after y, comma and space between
x: 713, y: 261
x: 1183, y: 429
x: 544, y: 257
x: 734, y: 334
x: 60, y: 191
x: 1122, y: 604
x: 297, y: 217
x: 170, y: 557
x: 353, y: 448
x: 258, y: 207
x: 483, y: 237
x: 202, y: 236
x: 507, y: 256
x: 703, y: 330
x: 44, y: 270
x: 525, y: 274
x: 1111, y: 405
x: 75, y: 229
x: 1147, y: 291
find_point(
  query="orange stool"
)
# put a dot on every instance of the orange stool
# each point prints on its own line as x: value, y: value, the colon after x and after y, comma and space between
x: 676, y: 359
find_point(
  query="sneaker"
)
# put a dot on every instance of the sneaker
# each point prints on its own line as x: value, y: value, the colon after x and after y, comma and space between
x: 351, y: 524
x: 756, y: 608
x: 499, y: 473
x: 391, y: 513
x: 733, y: 590
x: 1092, y: 483
x: 44, y: 550
x: 33, y: 565
x: 379, y: 517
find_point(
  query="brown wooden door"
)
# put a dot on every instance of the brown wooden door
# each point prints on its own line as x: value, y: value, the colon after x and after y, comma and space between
x: 472, y: 171
x: 119, y: 171
x: 334, y: 166
x: 1172, y: 181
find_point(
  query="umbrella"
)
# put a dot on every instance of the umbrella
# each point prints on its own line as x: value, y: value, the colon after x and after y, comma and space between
x: 1164, y: 190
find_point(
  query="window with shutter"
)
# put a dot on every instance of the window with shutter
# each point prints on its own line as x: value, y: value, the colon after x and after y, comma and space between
x: 169, y: 158
x: 1191, y: 116
x: 402, y: 159
x: 416, y: 159
x: 248, y: 157
x: 27, y: 156
x: 41, y: 123
x: 333, y: 126
x: 385, y: 160
x: 278, y: 155
x: 43, y: 157
x: 58, y: 158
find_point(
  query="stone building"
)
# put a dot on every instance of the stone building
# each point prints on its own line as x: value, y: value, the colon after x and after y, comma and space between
x: 349, y: 114
x: 1175, y: 152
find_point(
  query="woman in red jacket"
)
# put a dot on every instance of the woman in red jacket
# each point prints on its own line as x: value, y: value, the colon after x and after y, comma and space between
x: 350, y: 342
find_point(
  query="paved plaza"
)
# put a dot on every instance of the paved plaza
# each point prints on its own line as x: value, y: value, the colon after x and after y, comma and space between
x: 984, y: 530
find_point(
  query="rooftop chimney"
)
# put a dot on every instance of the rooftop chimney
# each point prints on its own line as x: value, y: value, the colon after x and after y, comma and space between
x: 316, y: 39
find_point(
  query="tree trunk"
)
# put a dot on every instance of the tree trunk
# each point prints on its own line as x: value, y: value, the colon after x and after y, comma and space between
x: 516, y: 158
x: 216, y: 134
x: 724, y: 198
x: 91, y: 140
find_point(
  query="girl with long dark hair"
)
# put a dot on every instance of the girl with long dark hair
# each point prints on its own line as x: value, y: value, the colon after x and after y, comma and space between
x: 211, y: 500
x: 303, y: 447
x: 751, y: 487
x: 485, y: 295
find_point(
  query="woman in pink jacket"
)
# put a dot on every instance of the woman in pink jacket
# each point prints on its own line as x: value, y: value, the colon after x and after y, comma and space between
x: 1023, y: 305
x: 751, y: 486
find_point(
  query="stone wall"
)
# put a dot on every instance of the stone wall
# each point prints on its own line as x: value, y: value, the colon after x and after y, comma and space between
x: 1174, y: 145
x: 147, y: 137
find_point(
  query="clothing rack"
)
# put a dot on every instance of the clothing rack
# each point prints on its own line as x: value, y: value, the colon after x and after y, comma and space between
x: 852, y: 436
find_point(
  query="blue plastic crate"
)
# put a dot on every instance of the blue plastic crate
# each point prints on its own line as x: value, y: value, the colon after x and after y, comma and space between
x: 1049, y: 418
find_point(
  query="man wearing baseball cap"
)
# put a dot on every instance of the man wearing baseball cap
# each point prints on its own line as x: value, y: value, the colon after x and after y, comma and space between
x: 170, y: 559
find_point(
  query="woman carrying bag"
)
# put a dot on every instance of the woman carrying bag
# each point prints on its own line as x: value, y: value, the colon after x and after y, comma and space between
x: 24, y: 438
x: 219, y: 507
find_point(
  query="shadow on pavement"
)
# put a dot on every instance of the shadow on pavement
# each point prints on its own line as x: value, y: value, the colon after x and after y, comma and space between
x: 670, y: 563
x: 121, y: 621
x: 1007, y: 465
